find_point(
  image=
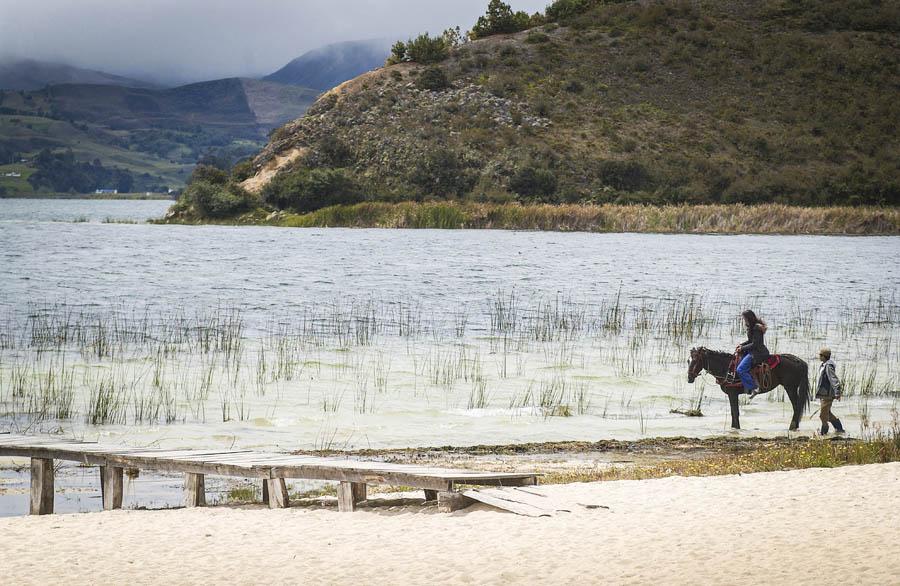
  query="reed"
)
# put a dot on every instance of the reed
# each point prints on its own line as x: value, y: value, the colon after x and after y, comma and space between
x: 531, y: 353
x: 672, y: 219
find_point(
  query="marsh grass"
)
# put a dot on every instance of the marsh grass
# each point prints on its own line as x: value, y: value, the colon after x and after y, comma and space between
x: 674, y: 219
x: 526, y: 353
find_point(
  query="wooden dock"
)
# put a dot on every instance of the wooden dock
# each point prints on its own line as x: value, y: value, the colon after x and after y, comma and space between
x: 271, y: 468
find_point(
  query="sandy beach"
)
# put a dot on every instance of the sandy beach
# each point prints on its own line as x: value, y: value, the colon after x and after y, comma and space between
x: 817, y: 526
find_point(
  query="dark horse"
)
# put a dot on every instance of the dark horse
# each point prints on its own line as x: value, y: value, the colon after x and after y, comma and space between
x: 792, y: 373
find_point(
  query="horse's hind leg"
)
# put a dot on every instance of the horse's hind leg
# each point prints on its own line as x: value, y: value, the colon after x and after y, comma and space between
x: 795, y: 403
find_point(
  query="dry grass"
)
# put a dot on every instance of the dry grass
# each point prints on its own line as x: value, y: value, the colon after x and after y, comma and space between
x: 879, y: 449
x: 699, y: 219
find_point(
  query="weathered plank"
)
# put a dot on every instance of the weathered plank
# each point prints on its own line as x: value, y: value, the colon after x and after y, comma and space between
x: 276, y: 493
x: 41, y: 486
x: 194, y: 490
x: 111, y: 487
x: 515, y: 501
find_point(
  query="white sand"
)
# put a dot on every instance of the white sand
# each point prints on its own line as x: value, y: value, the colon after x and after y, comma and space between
x: 805, y: 527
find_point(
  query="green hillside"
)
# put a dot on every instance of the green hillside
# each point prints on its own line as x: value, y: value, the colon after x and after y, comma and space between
x: 667, y: 101
x: 157, y: 135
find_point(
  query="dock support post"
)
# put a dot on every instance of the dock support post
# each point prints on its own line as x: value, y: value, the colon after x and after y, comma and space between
x: 349, y: 494
x: 453, y: 501
x: 194, y: 490
x: 111, y: 487
x: 430, y: 495
x: 275, y: 493
x: 41, y: 486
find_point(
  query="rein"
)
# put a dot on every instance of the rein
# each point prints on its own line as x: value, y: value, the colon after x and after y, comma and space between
x: 722, y: 381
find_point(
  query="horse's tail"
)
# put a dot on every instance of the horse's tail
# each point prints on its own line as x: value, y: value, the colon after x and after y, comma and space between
x: 804, y: 388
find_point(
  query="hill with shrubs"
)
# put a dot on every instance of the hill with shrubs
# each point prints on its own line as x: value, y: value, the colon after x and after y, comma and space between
x: 601, y: 102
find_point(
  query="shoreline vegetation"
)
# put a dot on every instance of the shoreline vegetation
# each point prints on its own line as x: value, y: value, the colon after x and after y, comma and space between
x: 605, y: 218
x: 658, y: 457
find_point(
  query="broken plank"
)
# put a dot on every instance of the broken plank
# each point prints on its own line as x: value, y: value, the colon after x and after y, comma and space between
x: 513, y: 501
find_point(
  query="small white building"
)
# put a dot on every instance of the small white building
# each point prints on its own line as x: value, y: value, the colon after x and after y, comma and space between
x: 107, y: 192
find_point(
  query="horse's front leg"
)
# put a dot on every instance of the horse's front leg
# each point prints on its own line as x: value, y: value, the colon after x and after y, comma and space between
x: 735, y: 409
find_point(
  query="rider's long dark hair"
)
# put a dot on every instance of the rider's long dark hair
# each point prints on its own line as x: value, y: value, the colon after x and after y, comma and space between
x: 750, y: 320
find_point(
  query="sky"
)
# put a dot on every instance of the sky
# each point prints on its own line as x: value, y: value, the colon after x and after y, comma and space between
x: 192, y: 40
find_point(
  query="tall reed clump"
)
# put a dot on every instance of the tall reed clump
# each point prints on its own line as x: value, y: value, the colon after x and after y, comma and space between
x: 671, y: 219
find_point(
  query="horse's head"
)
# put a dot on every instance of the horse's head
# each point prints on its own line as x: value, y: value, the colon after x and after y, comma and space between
x: 695, y: 365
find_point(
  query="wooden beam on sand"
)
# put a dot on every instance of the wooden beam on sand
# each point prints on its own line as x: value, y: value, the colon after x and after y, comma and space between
x: 194, y: 490
x: 111, y: 487
x: 41, y: 486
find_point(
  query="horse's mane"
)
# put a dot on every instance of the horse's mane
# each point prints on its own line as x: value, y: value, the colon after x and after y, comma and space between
x: 716, y: 353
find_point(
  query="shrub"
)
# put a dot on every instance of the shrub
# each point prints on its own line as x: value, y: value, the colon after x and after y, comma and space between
x: 624, y: 175
x: 209, y: 174
x: 308, y: 190
x: 434, y: 79
x: 242, y: 170
x: 215, y: 200
x: 426, y: 49
x: 398, y: 54
x: 335, y: 152
x: 443, y: 173
x: 535, y: 38
x: 499, y: 19
x: 574, y: 87
x: 564, y: 9
x: 533, y: 182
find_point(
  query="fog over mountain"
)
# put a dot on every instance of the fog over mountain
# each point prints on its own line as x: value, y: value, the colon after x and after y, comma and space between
x: 177, y: 41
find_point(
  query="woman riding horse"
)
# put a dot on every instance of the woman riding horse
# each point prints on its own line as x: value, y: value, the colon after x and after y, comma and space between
x: 754, y: 351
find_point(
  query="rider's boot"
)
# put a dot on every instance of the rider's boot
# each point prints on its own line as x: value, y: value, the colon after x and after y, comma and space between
x: 752, y: 393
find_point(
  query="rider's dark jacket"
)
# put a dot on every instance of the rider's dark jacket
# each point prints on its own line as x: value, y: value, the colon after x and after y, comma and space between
x: 755, y: 344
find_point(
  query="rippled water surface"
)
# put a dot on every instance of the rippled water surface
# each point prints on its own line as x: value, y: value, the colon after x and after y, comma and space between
x: 289, y: 338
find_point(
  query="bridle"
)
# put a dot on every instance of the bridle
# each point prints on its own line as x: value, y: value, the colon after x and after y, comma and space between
x: 697, y: 366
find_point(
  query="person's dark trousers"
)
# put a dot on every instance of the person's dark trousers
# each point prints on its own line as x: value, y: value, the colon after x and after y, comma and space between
x: 826, y: 416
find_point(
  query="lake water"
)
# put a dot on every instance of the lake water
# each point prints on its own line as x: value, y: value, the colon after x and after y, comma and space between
x: 287, y: 338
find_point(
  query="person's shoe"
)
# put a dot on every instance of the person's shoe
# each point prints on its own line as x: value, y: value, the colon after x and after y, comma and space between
x: 824, y: 430
x: 838, y: 427
x: 753, y: 393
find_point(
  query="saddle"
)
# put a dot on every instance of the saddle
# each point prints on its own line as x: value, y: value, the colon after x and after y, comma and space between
x: 761, y: 373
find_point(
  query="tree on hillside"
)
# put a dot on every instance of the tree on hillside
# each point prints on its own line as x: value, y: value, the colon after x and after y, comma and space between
x: 499, y: 19
x: 424, y: 50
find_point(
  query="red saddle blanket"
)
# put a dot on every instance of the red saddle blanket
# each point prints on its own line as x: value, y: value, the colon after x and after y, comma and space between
x: 772, y: 362
x: 758, y: 372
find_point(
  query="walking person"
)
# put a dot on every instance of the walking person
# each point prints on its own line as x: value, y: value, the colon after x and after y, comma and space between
x: 828, y: 390
x: 754, y: 351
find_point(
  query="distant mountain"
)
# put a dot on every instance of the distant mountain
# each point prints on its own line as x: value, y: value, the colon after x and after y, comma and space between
x: 159, y: 132
x: 244, y: 108
x: 332, y: 65
x: 28, y: 75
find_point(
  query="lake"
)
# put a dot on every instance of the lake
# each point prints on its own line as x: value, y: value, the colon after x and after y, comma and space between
x: 261, y: 337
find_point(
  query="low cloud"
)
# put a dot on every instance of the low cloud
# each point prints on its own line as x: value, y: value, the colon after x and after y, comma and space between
x: 191, y: 40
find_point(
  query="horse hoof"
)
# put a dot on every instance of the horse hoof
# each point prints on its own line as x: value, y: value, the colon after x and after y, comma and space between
x: 794, y: 428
